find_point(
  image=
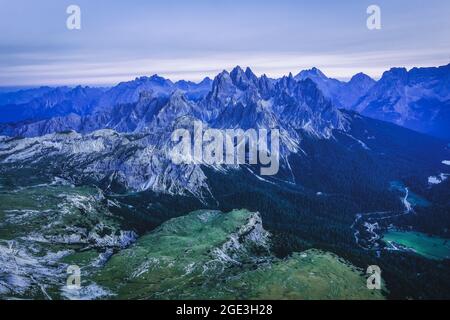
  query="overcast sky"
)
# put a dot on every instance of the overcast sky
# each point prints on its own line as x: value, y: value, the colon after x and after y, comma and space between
x: 191, y: 39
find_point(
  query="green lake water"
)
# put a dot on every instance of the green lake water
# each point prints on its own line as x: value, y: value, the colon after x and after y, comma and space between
x: 430, y: 247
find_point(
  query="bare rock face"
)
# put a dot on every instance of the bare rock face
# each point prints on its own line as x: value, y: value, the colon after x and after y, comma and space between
x: 250, y: 237
x: 138, y: 162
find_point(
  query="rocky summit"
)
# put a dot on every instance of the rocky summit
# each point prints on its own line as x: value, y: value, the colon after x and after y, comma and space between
x: 88, y: 180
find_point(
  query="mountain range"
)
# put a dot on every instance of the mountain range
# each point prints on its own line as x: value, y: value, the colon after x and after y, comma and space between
x: 417, y: 99
x: 131, y: 142
x: 345, y: 178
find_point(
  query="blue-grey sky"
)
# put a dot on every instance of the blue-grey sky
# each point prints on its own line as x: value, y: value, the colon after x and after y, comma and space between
x: 190, y: 39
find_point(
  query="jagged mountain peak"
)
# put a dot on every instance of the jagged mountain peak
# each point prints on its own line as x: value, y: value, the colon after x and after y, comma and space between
x: 395, y: 73
x: 144, y: 80
x: 158, y: 78
x: 80, y: 88
x: 177, y: 106
x: 249, y: 73
x: 184, y: 84
x: 313, y: 72
x: 242, y: 79
x: 237, y: 70
x: 194, y: 91
x: 222, y: 82
x: 397, y: 70
x: 358, y: 85
x: 237, y: 73
x: 206, y: 80
x: 286, y: 82
x: 224, y: 75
